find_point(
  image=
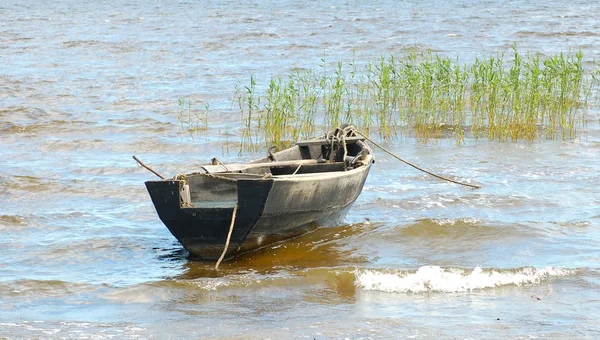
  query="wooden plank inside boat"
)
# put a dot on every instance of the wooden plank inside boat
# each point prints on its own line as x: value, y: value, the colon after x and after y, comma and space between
x: 349, y: 140
x: 212, y: 169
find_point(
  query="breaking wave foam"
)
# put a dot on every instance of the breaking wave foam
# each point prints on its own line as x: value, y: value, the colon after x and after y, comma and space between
x: 452, y: 280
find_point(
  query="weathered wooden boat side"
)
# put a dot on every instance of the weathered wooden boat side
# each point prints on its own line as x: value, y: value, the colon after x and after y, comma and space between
x: 203, y: 230
x: 293, y: 203
x: 281, y: 196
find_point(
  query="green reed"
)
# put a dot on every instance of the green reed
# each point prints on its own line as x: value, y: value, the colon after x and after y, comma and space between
x: 504, y: 97
x: 192, y: 120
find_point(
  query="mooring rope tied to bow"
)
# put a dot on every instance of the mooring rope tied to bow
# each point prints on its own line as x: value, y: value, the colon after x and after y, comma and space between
x: 415, y: 166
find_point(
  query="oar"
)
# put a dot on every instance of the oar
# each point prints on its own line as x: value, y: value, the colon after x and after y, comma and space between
x: 148, y: 168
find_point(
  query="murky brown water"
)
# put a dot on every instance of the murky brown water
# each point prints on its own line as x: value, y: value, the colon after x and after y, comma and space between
x: 85, y: 85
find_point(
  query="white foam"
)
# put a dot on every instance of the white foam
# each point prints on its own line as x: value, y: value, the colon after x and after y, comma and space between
x: 210, y: 284
x: 451, y: 280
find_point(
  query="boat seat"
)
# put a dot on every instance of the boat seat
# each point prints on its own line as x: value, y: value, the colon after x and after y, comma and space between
x: 349, y: 140
x: 247, y: 166
x: 308, y: 168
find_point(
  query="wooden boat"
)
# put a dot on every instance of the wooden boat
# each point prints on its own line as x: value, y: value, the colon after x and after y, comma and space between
x: 283, y: 195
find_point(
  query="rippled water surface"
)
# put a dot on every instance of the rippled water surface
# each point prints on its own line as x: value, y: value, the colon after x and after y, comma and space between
x: 84, y: 85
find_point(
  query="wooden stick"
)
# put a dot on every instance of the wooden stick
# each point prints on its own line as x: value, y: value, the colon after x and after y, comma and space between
x: 240, y: 167
x: 148, y: 168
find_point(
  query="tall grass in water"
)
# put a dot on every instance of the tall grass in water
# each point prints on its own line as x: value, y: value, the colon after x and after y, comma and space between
x: 507, y: 98
x: 192, y: 120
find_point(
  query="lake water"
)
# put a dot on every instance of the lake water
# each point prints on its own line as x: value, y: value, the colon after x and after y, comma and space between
x: 84, y: 85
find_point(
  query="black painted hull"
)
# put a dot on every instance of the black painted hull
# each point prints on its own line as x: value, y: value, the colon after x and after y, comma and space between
x: 270, y: 208
x: 266, y: 214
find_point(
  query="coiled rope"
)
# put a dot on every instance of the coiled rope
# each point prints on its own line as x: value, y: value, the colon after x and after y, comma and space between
x: 337, y: 138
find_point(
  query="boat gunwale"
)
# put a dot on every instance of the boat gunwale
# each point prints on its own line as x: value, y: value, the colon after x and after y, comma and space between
x: 370, y: 159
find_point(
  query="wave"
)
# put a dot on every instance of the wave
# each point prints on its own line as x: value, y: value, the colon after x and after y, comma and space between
x: 452, y: 280
x: 346, y: 281
x: 12, y: 220
x: 558, y: 34
x: 30, y: 289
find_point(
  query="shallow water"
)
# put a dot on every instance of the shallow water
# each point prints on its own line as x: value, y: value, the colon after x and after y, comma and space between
x: 85, y: 85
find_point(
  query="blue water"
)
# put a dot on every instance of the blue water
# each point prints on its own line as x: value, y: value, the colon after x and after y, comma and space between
x: 86, y: 85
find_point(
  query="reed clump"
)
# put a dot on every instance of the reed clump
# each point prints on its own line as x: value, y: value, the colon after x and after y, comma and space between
x: 192, y: 120
x: 504, y: 97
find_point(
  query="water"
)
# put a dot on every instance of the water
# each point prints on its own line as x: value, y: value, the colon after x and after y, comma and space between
x: 85, y: 85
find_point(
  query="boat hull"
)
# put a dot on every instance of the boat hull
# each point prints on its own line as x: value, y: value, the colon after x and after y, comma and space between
x: 269, y: 210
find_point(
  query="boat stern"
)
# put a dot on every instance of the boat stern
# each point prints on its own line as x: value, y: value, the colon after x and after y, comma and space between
x: 202, y: 228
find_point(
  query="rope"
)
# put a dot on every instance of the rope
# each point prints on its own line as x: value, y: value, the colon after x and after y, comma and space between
x: 414, y: 166
x: 336, y: 139
x: 228, y: 237
x: 345, y: 131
